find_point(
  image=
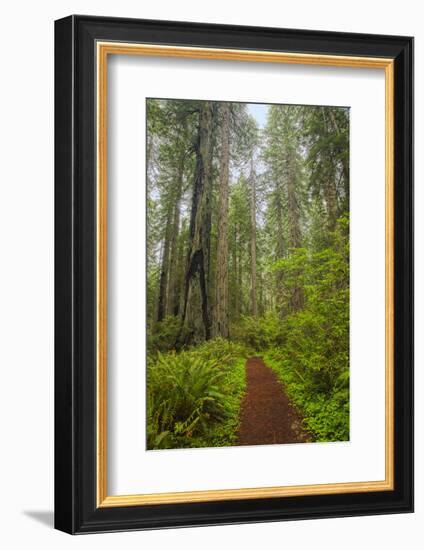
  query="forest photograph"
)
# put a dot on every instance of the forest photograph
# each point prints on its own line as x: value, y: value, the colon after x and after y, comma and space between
x: 247, y: 287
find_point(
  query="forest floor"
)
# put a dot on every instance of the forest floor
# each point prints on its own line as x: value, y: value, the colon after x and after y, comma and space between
x: 267, y: 415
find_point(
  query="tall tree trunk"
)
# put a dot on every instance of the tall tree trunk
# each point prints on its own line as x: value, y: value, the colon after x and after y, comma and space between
x: 279, y: 249
x: 239, y: 289
x: 345, y: 158
x: 253, y: 238
x: 295, y: 235
x: 164, y: 272
x: 235, y: 271
x: 261, y: 302
x: 173, y: 274
x: 221, y: 308
x: 179, y: 295
x: 330, y: 189
x: 198, y: 253
x: 330, y: 196
x: 293, y: 206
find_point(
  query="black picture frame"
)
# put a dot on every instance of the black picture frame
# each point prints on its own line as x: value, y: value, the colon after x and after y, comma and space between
x: 76, y: 510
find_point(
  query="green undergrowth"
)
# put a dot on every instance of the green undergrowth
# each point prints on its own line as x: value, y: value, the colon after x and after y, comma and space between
x: 325, y: 414
x: 307, y: 341
x: 194, y: 396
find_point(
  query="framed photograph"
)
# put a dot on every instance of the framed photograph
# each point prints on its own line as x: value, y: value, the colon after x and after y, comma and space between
x: 234, y: 274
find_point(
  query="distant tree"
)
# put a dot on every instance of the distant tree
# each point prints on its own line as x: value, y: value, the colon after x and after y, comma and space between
x: 221, y: 307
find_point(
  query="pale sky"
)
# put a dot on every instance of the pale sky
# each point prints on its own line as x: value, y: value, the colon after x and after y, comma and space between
x: 259, y: 112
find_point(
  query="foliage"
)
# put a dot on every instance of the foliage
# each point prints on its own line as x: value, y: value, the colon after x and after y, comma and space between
x: 326, y: 414
x: 164, y: 335
x: 284, y: 241
x: 194, y: 396
x: 313, y: 360
x: 259, y: 333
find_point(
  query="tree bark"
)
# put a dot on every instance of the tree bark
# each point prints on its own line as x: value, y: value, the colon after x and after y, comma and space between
x: 198, y: 253
x: 253, y: 238
x: 173, y: 274
x: 221, y: 327
x: 330, y: 190
x: 295, y: 236
x: 164, y: 272
x: 280, y: 245
x: 293, y: 205
x: 179, y: 296
x: 344, y: 162
x: 235, y: 292
x: 239, y: 289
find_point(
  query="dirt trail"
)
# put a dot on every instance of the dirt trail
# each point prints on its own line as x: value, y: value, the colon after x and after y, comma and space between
x: 266, y: 414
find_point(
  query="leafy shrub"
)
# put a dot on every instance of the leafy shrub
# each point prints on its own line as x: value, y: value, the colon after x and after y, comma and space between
x: 259, y: 333
x: 165, y: 335
x: 223, y: 351
x: 193, y: 397
x: 313, y: 361
x: 326, y: 414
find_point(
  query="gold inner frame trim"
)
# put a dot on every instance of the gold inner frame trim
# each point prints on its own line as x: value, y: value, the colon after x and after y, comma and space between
x: 103, y: 50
